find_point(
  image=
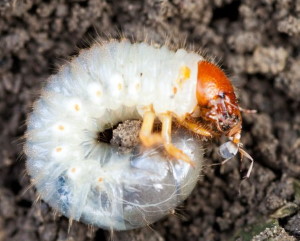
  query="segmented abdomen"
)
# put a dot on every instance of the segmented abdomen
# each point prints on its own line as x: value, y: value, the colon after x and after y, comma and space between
x: 92, y: 181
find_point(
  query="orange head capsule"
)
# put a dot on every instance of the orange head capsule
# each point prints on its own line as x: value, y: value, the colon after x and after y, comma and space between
x: 218, y: 106
x: 217, y: 100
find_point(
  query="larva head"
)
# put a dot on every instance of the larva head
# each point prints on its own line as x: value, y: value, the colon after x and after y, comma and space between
x: 217, y: 100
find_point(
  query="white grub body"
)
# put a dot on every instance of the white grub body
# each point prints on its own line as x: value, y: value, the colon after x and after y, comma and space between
x: 91, y: 181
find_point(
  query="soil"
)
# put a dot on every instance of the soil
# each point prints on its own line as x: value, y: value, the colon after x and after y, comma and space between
x: 255, y: 42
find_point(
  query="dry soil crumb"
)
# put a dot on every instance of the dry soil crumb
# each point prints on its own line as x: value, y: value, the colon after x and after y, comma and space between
x: 267, y: 60
x: 126, y: 134
x: 274, y: 234
x: 290, y: 26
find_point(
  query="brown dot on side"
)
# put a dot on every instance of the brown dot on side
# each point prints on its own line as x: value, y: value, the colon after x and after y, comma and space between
x: 58, y: 149
x: 76, y: 107
x: 185, y: 72
x: 174, y: 90
x: 100, y: 179
x: 61, y: 127
x: 98, y: 93
x: 73, y: 170
x: 184, y: 75
x: 120, y: 86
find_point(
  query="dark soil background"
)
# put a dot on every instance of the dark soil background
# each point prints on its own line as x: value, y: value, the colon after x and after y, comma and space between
x: 257, y: 44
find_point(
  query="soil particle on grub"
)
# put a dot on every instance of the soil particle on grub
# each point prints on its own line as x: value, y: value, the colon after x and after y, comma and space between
x: 255, y: 42
x: 126, y: 134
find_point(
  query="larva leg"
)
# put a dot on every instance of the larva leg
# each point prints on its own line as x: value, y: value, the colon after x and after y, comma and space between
x: 147, y: 137
x: 196, y: 128
x: 172, y: 150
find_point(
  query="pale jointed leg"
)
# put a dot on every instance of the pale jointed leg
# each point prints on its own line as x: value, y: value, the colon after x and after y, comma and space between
x: 195, y: 127
x: 172, y: 150
x: 147, y: 137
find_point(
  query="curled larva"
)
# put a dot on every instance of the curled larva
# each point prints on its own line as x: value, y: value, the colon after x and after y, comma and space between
x: 91, y: 181
x: 109, y: 83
